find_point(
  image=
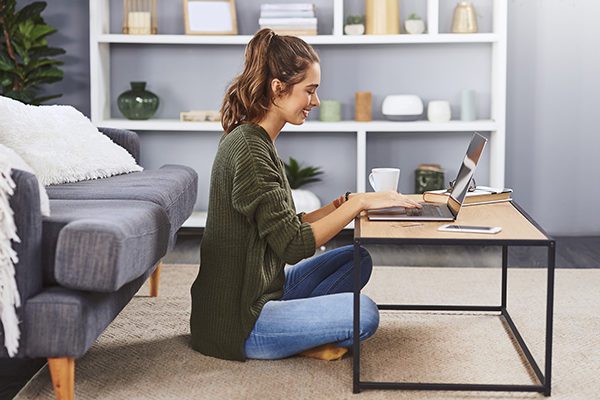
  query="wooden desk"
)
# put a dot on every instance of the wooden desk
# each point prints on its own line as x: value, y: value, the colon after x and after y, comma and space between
x: 515, y: 226
x: 518, y: 229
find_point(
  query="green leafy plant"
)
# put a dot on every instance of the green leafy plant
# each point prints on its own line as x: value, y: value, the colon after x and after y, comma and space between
x: 26, y: 60
x: 414, y: 16
x: 298, y: 175
x: 354, y: 19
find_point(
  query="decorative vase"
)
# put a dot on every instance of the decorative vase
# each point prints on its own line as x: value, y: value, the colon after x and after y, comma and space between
x: 468, y: 108
x: 414, y: 26
x: 464, y: 19
x: 354, y: 29
x: 382, y: 17
x: 330, y: 110
x: 429, y: 177
x: 305, y: 200
x: 138, y: 103
x: 363, y: 110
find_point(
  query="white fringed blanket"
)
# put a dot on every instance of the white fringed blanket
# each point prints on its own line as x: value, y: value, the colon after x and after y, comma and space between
x: 9, y: 293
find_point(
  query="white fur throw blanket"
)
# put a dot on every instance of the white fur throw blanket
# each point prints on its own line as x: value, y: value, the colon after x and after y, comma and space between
x: 60, y: 143
x: 9, y: 294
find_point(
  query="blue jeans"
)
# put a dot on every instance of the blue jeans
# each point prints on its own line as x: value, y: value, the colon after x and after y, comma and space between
x: 316, y: 307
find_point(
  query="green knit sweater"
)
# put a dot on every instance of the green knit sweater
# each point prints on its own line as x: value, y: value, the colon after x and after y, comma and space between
x: 252, y: 230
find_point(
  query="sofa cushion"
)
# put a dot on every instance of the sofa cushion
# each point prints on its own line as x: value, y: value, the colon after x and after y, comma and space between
x: 100, y: 245
x: 60, y: 143
x: 173, y: 187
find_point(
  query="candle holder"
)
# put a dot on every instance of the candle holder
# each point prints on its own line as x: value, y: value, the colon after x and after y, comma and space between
x: 139, y: 17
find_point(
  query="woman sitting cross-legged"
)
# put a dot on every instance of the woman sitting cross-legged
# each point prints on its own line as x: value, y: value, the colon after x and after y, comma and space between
x: 245, y: 304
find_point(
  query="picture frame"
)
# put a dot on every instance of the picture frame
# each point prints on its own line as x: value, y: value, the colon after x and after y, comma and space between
x: 210, y: 17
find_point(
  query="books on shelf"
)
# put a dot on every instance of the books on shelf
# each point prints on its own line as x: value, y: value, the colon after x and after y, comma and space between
x: 289, y: 19
x: 481, y: 195
x: 287, y: 7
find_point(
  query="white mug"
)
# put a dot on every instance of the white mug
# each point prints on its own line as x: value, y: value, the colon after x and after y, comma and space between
x: 384, y: 179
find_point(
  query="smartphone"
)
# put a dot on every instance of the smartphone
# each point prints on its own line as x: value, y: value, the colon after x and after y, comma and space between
x: 469, y: 229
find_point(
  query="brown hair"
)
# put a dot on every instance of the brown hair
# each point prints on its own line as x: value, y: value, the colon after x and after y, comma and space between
x: 268, y: 56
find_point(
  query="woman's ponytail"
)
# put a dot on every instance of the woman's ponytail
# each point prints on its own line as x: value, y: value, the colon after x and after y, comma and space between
x: 268, y: 56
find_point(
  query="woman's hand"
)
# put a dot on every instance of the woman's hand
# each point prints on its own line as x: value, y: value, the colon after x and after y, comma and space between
x: 375, y: 200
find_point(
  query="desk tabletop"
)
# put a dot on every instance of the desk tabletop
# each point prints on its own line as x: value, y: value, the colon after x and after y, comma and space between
x: 515, y: 226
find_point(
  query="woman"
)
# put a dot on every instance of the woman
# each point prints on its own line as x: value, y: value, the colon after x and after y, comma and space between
x: 244, y: 303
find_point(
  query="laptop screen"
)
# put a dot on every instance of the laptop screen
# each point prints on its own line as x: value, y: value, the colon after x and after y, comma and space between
x: 465, y: 173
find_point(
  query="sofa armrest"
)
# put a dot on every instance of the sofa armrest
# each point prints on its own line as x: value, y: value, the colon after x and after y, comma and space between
x: 25, y: 204
x: 129, y: 140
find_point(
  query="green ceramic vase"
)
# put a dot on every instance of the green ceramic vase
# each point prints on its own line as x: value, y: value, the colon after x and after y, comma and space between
x: 138, y: 103
x: 428, y: 179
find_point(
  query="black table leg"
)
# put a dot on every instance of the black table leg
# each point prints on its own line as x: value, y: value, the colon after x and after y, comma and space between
x: 356, y: 333
x: 504, y: 275
x: 549, y: 313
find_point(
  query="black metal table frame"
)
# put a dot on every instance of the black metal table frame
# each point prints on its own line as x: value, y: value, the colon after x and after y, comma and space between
x: 544, y: 385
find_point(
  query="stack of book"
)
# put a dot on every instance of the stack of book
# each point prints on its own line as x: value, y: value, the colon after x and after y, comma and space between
x: 296, y: 19
x: 481, y: 195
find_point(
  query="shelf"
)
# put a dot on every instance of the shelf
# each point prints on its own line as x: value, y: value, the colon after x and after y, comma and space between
x: 309, y: 126
x: 198, y: 220
x: 316, y: 40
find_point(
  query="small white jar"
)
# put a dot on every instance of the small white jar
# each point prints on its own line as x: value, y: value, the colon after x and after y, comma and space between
x: 439, y: 111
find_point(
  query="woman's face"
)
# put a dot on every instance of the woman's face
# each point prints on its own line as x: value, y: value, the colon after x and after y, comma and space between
x: 295, y: 106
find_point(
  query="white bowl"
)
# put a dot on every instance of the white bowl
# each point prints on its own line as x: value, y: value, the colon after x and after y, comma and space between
x: 402, y: 107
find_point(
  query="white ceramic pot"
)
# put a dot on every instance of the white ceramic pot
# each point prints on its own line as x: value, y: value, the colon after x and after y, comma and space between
x: 305, y: 200
x: 439, y: 111
x: 414, y: 26
x: 354, y: 29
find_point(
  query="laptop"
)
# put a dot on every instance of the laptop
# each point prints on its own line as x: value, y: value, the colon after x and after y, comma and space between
x: 434, y: 211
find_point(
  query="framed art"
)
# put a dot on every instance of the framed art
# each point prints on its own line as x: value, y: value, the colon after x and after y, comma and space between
x: 210, y: 17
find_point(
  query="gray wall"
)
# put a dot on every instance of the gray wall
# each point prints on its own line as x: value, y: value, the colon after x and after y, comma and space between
x: 553, y: 82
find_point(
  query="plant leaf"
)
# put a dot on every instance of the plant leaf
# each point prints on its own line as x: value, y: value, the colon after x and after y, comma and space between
x: 34, y: 64
x: 298, y: 175
x: 6, y: 63
x: 30, y: 11
x: 41, y: 51
x: 43, y: 99
x: 5, y: 81
x: 40, y: 31
x: 48, y: 75
x: 24, y: 96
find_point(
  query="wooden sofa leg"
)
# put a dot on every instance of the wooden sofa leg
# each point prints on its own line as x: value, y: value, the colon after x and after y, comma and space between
x: 154, y: 280
x: 62, y: 372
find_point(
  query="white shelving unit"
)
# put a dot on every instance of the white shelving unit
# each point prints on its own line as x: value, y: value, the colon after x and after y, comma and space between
x: 317, y: 40
x: 101, y: 40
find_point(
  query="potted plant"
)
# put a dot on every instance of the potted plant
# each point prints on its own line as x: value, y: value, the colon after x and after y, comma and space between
x: 298, y: 176
x: 355, y: 25
x: 414, y: 24
x: 26, y: 60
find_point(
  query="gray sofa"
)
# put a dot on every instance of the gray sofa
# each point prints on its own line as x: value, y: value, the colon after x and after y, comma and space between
x: 79, y: 267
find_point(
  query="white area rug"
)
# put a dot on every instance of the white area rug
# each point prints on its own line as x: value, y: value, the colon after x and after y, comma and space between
x: 145, y: 353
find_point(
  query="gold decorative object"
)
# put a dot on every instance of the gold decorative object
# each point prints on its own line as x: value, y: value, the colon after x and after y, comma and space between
x: 465, y: 18
x: 363, y: 106
x: 382, y: 17
x: 139, y: 17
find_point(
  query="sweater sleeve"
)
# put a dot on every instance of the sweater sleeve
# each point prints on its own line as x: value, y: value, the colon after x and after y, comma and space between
x: 259, y: 194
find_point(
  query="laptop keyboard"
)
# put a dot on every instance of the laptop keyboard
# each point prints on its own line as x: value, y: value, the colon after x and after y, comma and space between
x: 428, y: 210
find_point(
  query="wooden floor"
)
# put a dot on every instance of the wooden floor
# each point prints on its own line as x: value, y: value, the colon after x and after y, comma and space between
x: 572, y: 252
